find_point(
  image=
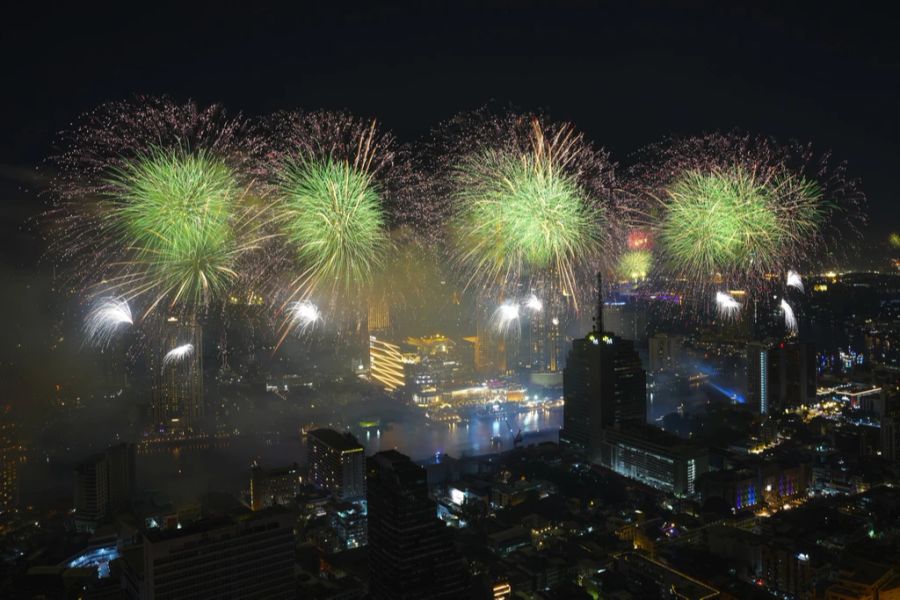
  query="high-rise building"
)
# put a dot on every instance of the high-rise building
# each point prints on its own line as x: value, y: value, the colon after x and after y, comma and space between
x: 337, y: 463
x: 604, y: 385
x: 120, y: 467
x: 665, y: 350
x: 247, y: 556
x: 11, y: 457
x: 780, y: 375
x: 91, y: 492
x: 178, y: 381
x: 410, y: 553
x: 104, y: 483
x: 270, y: 487
x: 386, y: 364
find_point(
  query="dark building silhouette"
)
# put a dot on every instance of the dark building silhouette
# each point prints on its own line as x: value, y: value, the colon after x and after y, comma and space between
x: 780, y: 375
x: 337, y: 463
x: 245, y: 556
x: 104, y: 483
x: 604, y: 385
x: 410, y: 552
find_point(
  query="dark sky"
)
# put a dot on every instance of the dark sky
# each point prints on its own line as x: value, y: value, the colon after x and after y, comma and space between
x: 627, y: 73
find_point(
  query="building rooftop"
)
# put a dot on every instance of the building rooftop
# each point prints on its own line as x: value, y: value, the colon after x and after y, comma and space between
x: 339, y: 441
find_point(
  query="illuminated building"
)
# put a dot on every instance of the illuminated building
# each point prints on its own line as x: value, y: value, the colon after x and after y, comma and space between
x: 337, y: 463
x: 756, y: 485
x: 11, y: 456
x: 379, y: 316
x: 780, y: 375
x: 410, y: 553
x: 178, y: 387
x: 665, y: 350
x: 348, y: 520
x: 490, y: 348
x: 386, y: 364
x: 654, y: 457
x: 604, y: 385
x: 270, y: 487
x: 246, y: 556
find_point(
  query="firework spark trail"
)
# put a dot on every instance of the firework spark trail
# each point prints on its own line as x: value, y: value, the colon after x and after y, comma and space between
x: 727, y: 306
x: 790, y: 320
x: 178, y: 354
x: 304, y: 314
x: 794, y: 280
x: 534, y: 303
x: 106, y: 318
x: 506, y: 318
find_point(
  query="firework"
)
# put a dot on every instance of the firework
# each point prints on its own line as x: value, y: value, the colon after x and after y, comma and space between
x: 106, y: 318
x: 727, y: 306
x: 790, y: 320
x: 894, y: 240
x: 529, y: 205
x: 534, y: 303
x: 736, y: 221
x: 635, y: 264
x: 735, y: 208
x: 304, y: 314
x: 506, y: 318
x: 339, y: 186
x: 794, y: 280
x: 150, y: 203
x: 178, y: 354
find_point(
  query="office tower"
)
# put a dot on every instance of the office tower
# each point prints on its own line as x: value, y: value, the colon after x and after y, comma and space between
x: 539, y: 346
x: 490, y: 348
x: 91, y: 492
x: 120, y: 461
x: 386, y: 364
x: 410, y: 553
x: 178, y: 383
x: 604, y: 385
x: 11, y: 456
x: 665, y: 350
x: 249, y: 557
x: 337, y: 463
x: 780, y: 375
x: 104, y: 483
x: 379, y: 316
x: 269, y: 487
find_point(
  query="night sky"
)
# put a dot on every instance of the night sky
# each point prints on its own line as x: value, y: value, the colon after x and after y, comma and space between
x: 627, y: 73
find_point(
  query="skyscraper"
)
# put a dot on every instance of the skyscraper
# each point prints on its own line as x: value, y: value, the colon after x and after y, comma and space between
x: 337, y: 463
x: 780, y: 375
x: 410, y: 553
x: 604, y: 385
x: 103, y: 483
x: 91, y: 492
x: 178, y: 384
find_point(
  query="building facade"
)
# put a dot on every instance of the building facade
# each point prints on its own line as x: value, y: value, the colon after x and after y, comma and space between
x: 337, y: 463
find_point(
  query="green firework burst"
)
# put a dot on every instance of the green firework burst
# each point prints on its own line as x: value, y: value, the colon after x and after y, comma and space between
x: 522, y: 214
x: 177, y: 214
x: 332, y: 213
x: 732, y: 220
x: 635, y: 264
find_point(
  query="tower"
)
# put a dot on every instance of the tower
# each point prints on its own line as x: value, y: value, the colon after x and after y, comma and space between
x: 604, y: 384
x: 410, y: 553
x: 178, y: 380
